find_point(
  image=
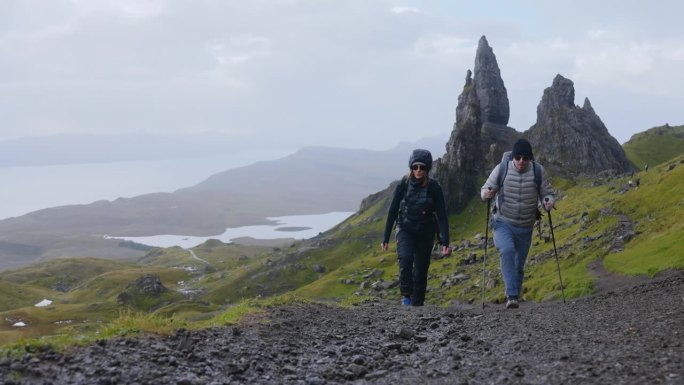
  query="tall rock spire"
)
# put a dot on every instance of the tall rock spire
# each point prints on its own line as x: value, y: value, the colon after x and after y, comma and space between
x: 489, y: 85
x: 479, y: 135
x: 573, y: 141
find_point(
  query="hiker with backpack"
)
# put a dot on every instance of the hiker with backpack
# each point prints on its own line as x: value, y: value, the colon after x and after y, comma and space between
x: 520, y: 187
x: 420, y: 212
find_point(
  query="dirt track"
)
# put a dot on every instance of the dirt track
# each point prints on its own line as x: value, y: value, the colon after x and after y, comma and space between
x: 630, y: 335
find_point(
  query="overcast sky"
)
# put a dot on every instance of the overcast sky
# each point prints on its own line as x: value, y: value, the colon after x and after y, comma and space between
x: 345, y: 73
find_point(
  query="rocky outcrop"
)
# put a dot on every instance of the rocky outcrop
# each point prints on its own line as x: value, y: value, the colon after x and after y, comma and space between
x: 139, y: 293
x: 489, y: 85
x: 458, y: 169
x: 480, y: 134
x: 570, y: 140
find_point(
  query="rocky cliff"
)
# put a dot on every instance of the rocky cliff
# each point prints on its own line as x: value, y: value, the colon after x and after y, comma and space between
x: 570, y: 140
x: 480, y: 134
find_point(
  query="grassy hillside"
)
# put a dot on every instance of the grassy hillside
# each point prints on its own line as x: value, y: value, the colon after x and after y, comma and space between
x: 658, y: 207
x: 655, y: 146
x: 14, y: 295
x: 86, y: 306
x: 86, y: 292
x: 62, y: 274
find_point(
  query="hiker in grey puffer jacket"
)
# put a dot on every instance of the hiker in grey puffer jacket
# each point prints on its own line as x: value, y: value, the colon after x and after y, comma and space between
x: 519, y: 197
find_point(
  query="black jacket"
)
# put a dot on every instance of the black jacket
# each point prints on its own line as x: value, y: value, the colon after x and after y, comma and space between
x: 435, y: 190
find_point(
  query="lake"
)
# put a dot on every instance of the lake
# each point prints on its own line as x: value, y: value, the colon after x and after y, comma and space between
x: 293, y: 226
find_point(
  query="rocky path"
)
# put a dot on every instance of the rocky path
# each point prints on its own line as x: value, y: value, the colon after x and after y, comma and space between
x: 606, y: 281
x: 194, y: 256
x: 630, y: 335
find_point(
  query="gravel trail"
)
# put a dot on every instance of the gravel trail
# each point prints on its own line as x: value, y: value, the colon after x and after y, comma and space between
x: 630, y: 335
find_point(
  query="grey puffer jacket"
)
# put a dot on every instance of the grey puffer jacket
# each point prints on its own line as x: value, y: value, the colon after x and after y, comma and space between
x: 521, y: 198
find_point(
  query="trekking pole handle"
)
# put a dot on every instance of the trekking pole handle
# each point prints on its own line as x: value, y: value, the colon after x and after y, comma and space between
x: 553, y: 207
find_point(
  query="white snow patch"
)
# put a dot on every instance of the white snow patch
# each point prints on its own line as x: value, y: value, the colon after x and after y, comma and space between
x: 43, y: 303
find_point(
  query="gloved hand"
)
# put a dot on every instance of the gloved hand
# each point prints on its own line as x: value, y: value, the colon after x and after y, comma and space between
x: 548, y: 204
x: 446, y: 251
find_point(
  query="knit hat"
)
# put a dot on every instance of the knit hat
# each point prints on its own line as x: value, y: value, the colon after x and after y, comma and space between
x: 523, y: 148
x: 421, y: 156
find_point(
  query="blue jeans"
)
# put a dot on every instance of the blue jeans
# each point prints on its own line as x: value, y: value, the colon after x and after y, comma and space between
x: 414, y: 251
x: 513, y: 243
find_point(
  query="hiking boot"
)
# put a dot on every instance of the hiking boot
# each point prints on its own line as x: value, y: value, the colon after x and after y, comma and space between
x: 406, y: 301
x: 512, y: 303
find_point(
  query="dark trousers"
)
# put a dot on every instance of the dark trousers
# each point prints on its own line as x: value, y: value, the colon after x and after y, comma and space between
x: 413, y: 251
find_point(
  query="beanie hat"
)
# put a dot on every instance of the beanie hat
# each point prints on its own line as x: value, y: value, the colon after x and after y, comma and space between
x: 421, y: 156
x: 523, y: 148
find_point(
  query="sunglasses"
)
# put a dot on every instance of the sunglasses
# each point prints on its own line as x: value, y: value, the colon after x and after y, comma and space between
x: 418, y: 167
x: 525, y: 158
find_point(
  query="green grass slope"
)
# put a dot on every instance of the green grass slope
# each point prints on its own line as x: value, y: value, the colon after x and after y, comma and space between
x: 655, y: 146
x: 87, y: 305
x: 657, y: 207
x: 13, y: 295
x: 63, y: 273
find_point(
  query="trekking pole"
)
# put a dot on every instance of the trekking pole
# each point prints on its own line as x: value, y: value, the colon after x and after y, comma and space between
x: 555, y: 252
x: 484, y: 260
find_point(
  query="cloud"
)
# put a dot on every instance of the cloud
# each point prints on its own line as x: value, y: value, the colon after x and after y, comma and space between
x: 132, y: 9
x: 442, y: 45
x: 645, y: 67
x: 399, y: 10
x: 238, y: 52
x: 239, y: 49
x: 616, y: 63
x: 596, y: 34
x: 327, y: 71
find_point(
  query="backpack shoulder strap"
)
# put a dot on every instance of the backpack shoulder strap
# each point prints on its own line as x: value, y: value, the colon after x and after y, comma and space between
x: 537, y: 176
x: 503, y: 167
x: 503, y: 171
x: 432, y: 190
x: 404, y: 186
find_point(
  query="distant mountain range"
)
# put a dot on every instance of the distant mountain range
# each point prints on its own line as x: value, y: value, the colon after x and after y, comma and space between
x: 313, y: 180
x: 121, y: 147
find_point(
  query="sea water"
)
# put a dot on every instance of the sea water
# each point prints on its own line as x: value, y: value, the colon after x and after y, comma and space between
x: 293, y: 226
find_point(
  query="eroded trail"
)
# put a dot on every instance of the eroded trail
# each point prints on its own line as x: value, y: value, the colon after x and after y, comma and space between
x: 632, y: 335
